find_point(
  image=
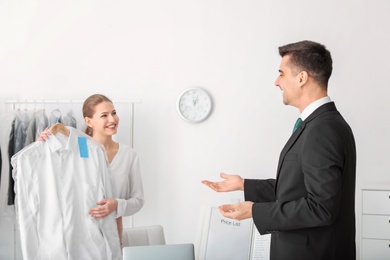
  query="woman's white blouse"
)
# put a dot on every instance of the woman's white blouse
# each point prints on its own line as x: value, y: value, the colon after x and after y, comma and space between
x: 126, y: 181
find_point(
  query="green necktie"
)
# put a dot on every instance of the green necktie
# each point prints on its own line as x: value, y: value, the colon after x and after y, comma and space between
x: 297, y: 123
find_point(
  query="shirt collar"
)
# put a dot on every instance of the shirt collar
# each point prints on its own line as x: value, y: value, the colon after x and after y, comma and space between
x: 61, y: 142
x: 313, y: 106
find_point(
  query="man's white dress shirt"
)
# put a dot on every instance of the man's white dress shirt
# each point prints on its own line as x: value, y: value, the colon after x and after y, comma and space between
x: 56, y: 183
x: 313, y: 106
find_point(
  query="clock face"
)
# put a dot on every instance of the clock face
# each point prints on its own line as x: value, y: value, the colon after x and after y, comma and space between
x: 194, y: 105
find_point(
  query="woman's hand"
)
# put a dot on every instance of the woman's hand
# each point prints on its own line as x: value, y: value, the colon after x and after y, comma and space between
x: 105, y: 208
x: 44, y: 135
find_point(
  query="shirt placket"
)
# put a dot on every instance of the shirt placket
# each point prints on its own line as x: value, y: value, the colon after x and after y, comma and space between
x: 64, y: 186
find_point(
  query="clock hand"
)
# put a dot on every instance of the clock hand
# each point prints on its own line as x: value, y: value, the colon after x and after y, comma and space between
x: 195, y: 101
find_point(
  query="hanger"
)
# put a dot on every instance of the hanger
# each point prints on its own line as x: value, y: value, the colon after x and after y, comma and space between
x: 59, y: 128
x: 56, y: 115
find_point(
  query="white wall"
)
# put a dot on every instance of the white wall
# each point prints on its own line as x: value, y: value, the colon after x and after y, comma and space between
x: 152, y: 50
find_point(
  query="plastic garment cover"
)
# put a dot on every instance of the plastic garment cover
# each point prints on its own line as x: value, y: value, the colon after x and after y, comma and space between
x: 55, y: 188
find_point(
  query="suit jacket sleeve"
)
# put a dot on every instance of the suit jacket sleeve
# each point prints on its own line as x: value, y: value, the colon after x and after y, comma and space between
x: 259, y: 190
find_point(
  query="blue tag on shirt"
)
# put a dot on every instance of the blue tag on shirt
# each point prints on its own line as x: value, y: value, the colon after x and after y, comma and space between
x: 83, y: 148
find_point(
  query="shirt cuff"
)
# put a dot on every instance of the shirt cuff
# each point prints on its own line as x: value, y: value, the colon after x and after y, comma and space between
x: 121, y: 209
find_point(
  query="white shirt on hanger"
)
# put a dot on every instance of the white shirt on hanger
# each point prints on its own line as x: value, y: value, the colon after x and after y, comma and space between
x: 55, y: 188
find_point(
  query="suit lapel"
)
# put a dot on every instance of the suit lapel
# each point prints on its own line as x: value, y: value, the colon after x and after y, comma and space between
x: 324, y: 108
x: 290, y: 143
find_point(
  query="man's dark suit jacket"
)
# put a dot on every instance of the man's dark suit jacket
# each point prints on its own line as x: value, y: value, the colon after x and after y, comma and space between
x: 310, y: 208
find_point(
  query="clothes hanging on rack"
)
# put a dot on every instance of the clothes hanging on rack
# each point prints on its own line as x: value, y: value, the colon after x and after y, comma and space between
x: 6, y: 123
x: 11, y: 152
x: 22, y: 119
x: 57, y: 182
x: 25, y: 129
x: 69, y: 119
x: 37, y: 125
x: 55, y: 117
x: 16, y: 143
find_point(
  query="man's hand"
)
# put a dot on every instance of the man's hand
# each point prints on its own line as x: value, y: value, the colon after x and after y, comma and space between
x: 231, y: 183
x: 238, y: 211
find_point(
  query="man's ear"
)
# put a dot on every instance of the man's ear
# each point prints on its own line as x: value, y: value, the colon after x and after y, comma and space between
x: 303, y: 77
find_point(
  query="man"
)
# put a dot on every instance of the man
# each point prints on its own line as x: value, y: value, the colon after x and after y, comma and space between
x: 309, y: 208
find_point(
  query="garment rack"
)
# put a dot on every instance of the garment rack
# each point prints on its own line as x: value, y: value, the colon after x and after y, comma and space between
x: 70, y: 101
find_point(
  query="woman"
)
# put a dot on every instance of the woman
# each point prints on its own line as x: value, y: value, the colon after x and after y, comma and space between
x: 102, y: 123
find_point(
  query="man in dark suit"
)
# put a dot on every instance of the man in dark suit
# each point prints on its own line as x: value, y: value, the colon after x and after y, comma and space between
x: 309, y: 208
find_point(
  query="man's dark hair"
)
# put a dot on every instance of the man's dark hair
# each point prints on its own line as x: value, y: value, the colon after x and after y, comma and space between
x: 311, y: 57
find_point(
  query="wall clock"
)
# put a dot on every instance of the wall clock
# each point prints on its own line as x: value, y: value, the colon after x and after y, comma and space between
x: 194, y: 105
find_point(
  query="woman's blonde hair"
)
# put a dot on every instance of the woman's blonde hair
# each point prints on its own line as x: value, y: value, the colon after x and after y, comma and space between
x: 89, y: 108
